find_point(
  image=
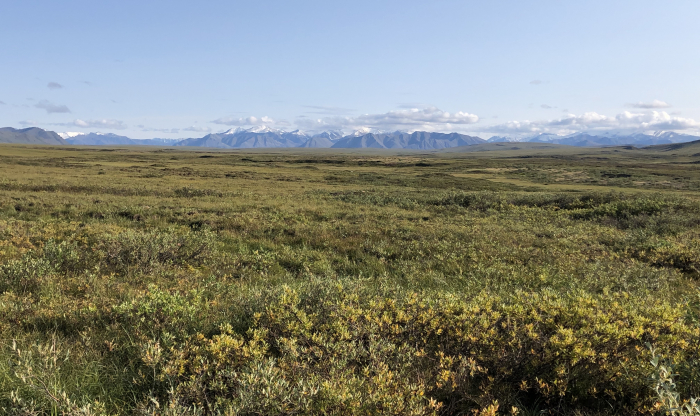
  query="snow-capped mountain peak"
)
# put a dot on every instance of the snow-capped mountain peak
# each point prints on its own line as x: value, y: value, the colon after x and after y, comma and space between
x: 69, y: 134
x: 233, y: 131
x: 262, y: 129
x: 543, y: 138
x: 364, y: 130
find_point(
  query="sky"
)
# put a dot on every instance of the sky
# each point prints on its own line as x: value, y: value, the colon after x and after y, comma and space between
x: 177, y: 69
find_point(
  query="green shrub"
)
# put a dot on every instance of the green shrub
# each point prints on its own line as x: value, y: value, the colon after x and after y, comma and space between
x: 133, y: 252
x: 664, y: 384
x: 161, y: 315
x: 41, y: 376
x: 65, y: 257
x: 418, y: 355
x: 188, y: 192
x: 479, y: 201
x: 24, y: 276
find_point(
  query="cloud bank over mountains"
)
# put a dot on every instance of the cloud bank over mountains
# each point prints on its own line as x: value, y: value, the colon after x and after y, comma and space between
x: 245, y: 121
x: 594, y: 122
x: 643, y: 116
x: 434, y: 119
x: 101, y: 124
x: 428, y: 119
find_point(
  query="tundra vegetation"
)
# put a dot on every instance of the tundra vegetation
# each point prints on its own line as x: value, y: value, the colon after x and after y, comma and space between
x: 523, y: 282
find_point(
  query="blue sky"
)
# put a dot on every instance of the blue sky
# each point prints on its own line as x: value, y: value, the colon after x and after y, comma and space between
x: 182, y: 69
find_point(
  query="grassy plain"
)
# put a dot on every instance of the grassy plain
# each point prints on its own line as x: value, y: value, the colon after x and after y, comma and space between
x: 533, y: 280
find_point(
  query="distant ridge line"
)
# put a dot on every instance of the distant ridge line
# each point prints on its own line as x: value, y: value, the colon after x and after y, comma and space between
x: 264, y: 137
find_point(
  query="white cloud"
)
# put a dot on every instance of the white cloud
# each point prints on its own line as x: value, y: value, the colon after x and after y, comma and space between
x: 430, y: 118
x: 28, y: 123
x: 54, y: 86
x: 197, y: 129
x: 165, y: 130
x: 101, y: 124
x: 51, y: 107
x: 245, y: 121
x: 536, y: 82
x: 651, y: 105
x: 657, y: 120
x: 546, y: 107
x: 628, y: 121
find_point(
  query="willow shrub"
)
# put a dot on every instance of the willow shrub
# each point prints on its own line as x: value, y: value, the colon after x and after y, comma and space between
x: 439, y: 354
x: 135, y: 251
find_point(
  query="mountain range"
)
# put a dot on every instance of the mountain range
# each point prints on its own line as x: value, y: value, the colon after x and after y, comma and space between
x: 603, y: 139
x: 266, y: 137
x: 111, y: 139
x: 398, y: 140
x: 255, y: 137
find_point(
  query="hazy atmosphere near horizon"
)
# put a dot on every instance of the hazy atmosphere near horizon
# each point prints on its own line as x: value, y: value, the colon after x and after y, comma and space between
x: 178, y: 69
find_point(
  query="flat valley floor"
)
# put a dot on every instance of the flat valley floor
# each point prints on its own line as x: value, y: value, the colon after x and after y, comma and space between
x: 507, y: 279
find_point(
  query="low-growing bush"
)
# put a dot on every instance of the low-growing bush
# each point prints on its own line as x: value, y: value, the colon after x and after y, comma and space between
x: 135, y: 251
x: 420, y: 355
x: 161, y: 315
x: 66, y: 256
x: 479, y: 201
x: 23, y: 276
x: 189, y: 192
x: 666, y: 389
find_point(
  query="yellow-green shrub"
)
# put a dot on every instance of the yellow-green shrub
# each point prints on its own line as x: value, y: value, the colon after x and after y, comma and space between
x: 341, y: 355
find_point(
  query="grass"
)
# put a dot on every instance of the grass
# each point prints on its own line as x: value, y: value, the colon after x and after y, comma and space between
x: 522, y: 281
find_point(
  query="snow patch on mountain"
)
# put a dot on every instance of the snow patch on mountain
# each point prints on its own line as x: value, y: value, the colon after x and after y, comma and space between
x: 70, y: 134
x: 263, y: 129
x: 365, y: 130
x: 234, y: 131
